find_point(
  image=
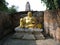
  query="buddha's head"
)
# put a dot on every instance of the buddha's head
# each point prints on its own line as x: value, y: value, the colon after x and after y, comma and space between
x: 29, y: 14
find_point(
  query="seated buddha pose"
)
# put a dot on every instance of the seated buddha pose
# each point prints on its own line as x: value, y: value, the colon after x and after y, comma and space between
x: 29, y: 21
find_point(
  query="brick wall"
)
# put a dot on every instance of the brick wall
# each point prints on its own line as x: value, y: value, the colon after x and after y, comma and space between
x: 52, y: 23
x: 5, y: 24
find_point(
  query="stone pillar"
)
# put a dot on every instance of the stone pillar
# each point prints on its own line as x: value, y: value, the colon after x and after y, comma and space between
x: 27, y: 7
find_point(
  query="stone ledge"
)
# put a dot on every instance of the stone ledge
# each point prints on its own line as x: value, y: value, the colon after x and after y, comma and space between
x: 28, y: 34
x: 18, y: 29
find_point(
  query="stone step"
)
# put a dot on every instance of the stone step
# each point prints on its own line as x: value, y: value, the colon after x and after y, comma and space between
x: 28, y: 36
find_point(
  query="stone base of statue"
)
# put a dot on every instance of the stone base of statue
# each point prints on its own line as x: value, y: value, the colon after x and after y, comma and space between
x: 28, y: 34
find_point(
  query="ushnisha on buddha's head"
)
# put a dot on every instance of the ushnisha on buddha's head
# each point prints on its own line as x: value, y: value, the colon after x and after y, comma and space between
x: 29, y: 14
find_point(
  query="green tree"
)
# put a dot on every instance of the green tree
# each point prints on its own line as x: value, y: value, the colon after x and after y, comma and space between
x: 3, y: 5
x: 12, y: 9
x: 52, y: 4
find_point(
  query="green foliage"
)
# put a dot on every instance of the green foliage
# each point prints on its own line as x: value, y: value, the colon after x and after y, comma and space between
x: 52, y: 4
x: 3, y: 7
x: 12, y: 9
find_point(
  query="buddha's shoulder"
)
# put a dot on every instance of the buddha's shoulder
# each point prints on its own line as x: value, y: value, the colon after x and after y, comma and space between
x: 25, y: 17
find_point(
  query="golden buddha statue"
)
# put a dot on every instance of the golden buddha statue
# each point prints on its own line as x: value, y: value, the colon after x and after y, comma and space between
x: 29, y: 21
x: 22, y: 23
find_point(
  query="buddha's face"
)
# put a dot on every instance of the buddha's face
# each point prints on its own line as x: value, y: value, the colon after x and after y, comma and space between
x: 29, y: 14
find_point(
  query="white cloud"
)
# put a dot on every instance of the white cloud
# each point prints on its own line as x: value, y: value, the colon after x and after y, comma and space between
x: 36, y: 5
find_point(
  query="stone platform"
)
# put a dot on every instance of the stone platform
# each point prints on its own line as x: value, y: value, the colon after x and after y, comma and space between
x: 28, y: 34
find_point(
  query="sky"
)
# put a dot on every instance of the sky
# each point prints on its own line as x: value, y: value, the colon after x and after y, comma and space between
x: 36, y: 5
